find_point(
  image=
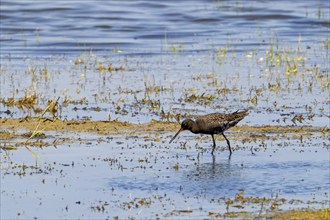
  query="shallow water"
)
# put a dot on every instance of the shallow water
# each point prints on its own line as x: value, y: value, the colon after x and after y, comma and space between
x: 173, y: 57
x: 97, y: 171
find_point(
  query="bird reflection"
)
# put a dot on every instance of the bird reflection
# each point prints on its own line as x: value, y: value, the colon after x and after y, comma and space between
x: 214, y: 177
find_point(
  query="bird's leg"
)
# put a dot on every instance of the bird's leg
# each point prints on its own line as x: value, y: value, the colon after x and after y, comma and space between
x: 227, y: 143
x: 213, y: 143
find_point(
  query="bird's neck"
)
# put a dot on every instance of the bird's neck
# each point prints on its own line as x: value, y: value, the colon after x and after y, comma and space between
x: 194, y: 128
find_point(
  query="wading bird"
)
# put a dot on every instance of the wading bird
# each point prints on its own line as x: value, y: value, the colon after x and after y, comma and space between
x: 215, y: 123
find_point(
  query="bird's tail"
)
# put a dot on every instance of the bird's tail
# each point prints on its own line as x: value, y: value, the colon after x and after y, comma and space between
x: 238, y: 116
x: 241, y: 113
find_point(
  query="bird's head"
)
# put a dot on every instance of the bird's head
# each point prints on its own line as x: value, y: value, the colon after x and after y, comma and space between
x: 186, y: 124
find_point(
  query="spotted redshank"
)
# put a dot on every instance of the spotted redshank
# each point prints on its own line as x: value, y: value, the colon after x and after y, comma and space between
x: 215, y: 123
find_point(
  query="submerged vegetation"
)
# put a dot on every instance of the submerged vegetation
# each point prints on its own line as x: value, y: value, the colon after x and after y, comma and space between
x: 125, y: 88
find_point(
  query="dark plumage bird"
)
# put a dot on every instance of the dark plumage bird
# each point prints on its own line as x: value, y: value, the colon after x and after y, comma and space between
x: 215, y: 123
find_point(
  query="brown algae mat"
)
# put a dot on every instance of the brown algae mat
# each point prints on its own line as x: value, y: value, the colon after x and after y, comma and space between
x: 116, y: 127
x: 32, y: 131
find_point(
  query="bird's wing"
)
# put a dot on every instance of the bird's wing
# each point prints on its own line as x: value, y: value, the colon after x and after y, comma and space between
x: 217, y: 122
x: 212, y: 123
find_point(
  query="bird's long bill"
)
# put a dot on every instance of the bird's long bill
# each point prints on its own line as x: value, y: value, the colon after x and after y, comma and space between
x: 176, y: 135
